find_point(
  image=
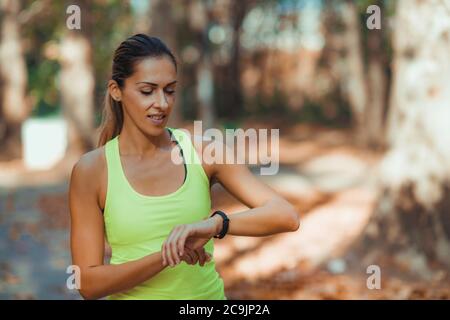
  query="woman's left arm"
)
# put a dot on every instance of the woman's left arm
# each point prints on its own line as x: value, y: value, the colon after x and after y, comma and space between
x: 269, y: 213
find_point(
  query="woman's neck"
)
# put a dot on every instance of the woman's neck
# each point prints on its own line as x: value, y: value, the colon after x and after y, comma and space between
x: 135, y: 142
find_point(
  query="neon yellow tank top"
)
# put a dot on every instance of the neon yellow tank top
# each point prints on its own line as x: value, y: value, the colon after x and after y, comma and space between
x: 136, y: 225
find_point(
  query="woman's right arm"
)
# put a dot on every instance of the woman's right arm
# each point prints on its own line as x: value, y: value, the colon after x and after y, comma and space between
x: 87, y: 239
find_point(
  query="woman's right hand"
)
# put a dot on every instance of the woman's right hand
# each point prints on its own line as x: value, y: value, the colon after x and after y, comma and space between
x: 197, y: 255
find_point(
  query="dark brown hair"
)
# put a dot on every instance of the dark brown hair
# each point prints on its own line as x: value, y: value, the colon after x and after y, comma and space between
x: 129, y: 52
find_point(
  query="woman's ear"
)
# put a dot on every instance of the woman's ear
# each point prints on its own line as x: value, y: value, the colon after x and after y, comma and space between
x: 114, y: 90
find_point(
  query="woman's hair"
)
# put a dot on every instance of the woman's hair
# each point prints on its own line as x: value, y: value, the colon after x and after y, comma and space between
x: 127, y: 55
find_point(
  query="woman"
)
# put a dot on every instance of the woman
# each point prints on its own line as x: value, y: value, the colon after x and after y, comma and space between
x: 153, y: 211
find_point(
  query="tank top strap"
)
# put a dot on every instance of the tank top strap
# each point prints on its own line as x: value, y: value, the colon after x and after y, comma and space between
x: 190, y: 154
x: 183, y: 137
x: 111, y: 156
x: 114, y: 167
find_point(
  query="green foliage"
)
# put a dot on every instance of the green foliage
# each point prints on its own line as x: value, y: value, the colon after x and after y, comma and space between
x: 111, y: 21
x: 43, y: 87
x: 274, y: 105
x: 330, y: 110
x: 108, y: 23
x: 42, y: 72
x: 188, y: 101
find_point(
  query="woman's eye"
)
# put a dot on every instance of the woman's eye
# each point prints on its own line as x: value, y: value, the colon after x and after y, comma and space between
x: 146, y: 92
x: 170, y: 91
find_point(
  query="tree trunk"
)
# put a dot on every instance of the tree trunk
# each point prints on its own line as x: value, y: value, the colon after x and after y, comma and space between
x: 205, y: 90
x: 354, y: 78
x: 377, y: 85
x: 238, y: 12
x: 13, y: 78
x: 199, y: 21
x: 197, y: 17
x: 412, y: 219
x: 163, y: 22
x: 366, y: 88
x: 77, y: 90
x: 77, y: 81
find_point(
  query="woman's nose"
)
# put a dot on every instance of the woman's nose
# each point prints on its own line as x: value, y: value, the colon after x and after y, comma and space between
x: 161, y: 100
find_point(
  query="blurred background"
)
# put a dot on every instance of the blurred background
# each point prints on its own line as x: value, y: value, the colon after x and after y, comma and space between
x: 363, y: 113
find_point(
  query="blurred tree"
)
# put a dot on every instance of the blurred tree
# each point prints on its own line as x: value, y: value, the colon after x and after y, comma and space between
x: 238, y: 11
x: 164, y: 20
x: 13, y: 78
x: 377, y: 83
x: 200, y: 22
x: 41, y: 21
x: 229, y: 98
x: 77, y: 81
x: 364, y: 76
x: 412, y: 219
x: 106, y: 37
x: 355, y: 79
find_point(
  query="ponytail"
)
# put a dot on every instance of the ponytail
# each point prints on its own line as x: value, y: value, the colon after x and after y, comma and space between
x: 112, y: 120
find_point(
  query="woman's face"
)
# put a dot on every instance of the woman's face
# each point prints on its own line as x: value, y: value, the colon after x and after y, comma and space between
x: 148, y: 94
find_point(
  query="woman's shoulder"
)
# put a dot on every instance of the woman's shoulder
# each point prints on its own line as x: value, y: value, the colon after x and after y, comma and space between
x: 91, y: 165
x: 88, y: 178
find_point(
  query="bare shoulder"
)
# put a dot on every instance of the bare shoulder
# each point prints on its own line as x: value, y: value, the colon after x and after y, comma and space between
x: 90, y: 168
x: 90, y: 162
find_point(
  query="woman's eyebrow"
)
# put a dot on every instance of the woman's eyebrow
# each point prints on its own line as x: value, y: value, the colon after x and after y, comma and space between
x: 155, y: 84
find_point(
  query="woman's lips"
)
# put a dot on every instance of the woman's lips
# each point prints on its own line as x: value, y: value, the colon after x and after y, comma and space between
x: 157, y: 120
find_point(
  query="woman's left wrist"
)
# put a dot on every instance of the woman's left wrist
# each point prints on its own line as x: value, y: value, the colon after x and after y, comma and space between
x: 218, y: 223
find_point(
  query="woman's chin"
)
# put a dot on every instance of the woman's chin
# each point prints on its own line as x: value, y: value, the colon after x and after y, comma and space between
x: 155, y: 130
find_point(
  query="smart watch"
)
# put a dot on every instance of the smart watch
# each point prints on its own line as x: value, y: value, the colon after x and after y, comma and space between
x: 225, y: 224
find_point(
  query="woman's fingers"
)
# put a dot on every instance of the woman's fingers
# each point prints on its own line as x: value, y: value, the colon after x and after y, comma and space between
x: 172, y: 251
x: 191, y: 256
x: 205, y: 256
x: 196, y: 256
x: 188, y: 257
x: 168, y: 252
x: 177, y: 250
x: 202, y: 256
x: 181, y: 239
x: 174, y: 248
